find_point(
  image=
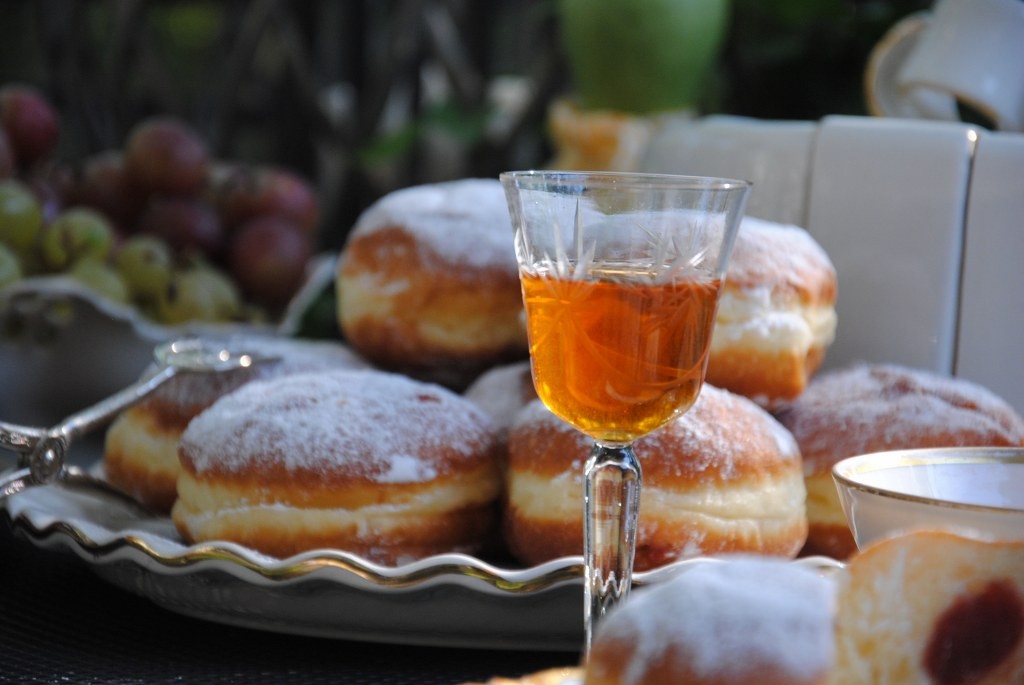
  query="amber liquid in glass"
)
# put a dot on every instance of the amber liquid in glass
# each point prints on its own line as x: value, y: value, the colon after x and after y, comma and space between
x: 619, y: 354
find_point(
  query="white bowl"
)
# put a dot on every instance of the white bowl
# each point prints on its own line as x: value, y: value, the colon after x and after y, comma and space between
x: 978, y: 489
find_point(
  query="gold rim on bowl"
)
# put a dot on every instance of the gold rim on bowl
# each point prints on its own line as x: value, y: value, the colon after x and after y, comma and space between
x: 844, y: 471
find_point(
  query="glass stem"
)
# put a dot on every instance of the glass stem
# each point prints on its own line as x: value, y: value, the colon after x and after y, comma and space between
x: 611, y: 510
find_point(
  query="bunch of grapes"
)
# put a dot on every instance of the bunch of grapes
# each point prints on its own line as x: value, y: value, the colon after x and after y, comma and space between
x: 156, y: 223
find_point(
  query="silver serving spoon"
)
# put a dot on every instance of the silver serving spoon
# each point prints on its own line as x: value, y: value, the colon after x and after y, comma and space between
x: 42, y: 451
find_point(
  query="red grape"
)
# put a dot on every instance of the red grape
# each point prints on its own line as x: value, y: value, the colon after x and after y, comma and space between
x: 8, y: 164
x: 165, y: 155
x: 248, y: 193
x: 103, y: 185
x: 219, y: 173
x: 185, y: 223
x: 31, y: 123
x: 268, y: 257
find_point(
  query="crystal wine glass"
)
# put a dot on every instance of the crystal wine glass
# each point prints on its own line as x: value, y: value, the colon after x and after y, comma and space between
x: 621, y: 275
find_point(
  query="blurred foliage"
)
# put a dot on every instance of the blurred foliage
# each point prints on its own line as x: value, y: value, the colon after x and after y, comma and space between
x: 801, y: 59
x: 361, y: 96
x: 460, y: 123
x: 339, y: 89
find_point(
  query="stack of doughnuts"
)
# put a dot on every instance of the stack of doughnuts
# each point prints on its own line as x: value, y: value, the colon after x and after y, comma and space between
x: 373, y: 463
x: 427, y: 282
x: 724, y: 477
x: 879, y: 407
x: 776, y: 316
x: 428, y: 291
x: 427, y: 285
x: 319, y: 450
x: 141, y: 445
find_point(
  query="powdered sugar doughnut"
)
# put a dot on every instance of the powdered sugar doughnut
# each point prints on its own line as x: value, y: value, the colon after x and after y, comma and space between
x: 502, y: 392
x: 724, y: 477
x: 141, y: 447
x: 776, y: 316
x: 873, y: 408
x: 428, y: 283
x: 370, y: 462
x: 932, y: 606
x: 738, y: 621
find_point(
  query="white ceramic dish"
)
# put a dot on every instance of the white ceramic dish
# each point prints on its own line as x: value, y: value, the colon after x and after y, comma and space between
x: 452, y: 600
x: 990, y: 323
x: 774, y: 155
x: 979, y: 489
x: 887, y: 204
x: 884, y: 96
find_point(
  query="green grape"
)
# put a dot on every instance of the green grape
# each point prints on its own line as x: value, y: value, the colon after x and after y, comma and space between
x: 187, y: 297
x: 10, y: 266
x: 225, y: 295
x: 76, y: 233
x: 101, y: 277
x: 146, y: 264
x: 21, y: 216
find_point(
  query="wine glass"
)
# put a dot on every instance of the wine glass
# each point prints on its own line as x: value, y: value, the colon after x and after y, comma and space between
x: 621, y: 275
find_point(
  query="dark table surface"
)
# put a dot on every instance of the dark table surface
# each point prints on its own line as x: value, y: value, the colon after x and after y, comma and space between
x: 59, y: 623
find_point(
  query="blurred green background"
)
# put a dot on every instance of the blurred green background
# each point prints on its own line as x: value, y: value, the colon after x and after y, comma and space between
x: 364, y: 96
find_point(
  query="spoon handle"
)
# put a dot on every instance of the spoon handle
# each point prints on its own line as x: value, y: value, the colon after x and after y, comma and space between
x: 83, y: 421
x: 43, y: 451
x: 14, y: 481
x: 19, y: 438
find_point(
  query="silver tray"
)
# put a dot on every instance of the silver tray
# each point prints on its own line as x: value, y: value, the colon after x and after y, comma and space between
x: 452, y: 600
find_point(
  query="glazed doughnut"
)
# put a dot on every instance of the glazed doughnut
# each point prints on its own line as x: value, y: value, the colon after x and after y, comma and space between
x: 724, y: 477
x: 373, y: 463
x: 932, y: 607
x: 740, y: 621
x: 776, y: 316
x: 874, y: 408
x: 428, y: 284
x: 141, y: 445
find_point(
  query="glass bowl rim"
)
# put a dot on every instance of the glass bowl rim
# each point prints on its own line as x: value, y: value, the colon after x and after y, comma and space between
x: 540, y: 178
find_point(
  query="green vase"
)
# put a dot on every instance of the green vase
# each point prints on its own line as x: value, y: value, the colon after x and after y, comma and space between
x: 642, y: 56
